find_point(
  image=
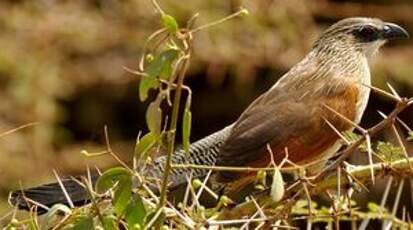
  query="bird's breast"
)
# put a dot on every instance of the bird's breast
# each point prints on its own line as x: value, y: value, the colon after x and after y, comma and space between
x: 364, y: 90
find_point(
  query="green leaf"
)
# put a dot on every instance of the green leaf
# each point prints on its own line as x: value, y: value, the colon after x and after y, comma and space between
x: 32, y: 225
x: 154, y: 116
x: 301, y: 207
x: 373, y: 207
x: 389, y: 151
x: 83, y: 223
x: 145, y: 85
x: 145, y: 144
x: 109, y: 178
x: 169, y: 22
x: 410, y: 137
x: 350, y: 136
x: 160, y: 66
x: 166, y: 72
x: 135, y: 213
x: 163, y: 60
x: 120, y: 177
x: 109, y: 223
x: 186, y: 125
x: 122, y: 195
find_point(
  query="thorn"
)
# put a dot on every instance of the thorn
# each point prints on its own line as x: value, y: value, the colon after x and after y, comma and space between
x: 393, y: 91
x: 68, y: 199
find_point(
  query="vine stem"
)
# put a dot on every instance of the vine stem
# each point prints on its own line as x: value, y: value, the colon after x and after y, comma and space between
x: 172, y: 130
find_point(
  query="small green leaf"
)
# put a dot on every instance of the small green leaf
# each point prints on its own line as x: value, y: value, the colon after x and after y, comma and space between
x: 145, y: 85
x: 120, y: 177
x: 277, y: 186
x: 350, y: 136
x: 109, y: 223
x: 224, y: 201
x: 166, y: 72
x: 145, y: 144
x: 109, y: 178
x: 186, y: 125
x: 154, y: 116
x: 161, y: 66
x: 261, y: 175
x: 122, y: 196
x: 410, y: 137
x: 373, y: 207
x: 149, y: 57
x: 169, y: 22
x: 301, y: 207
x: 157, y: 66
x: 83, y: 223
x: 196, y: 183
x: 389, y: 151
x: 135, y: 213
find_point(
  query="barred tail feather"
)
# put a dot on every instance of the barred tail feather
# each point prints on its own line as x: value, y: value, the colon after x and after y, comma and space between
x: 202, y: 152
x: 49, y: 194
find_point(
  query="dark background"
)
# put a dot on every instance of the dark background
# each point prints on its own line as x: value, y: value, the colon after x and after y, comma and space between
x: 61, y: 65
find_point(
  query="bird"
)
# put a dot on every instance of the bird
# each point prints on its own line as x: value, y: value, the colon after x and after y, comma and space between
x: 301, y: 114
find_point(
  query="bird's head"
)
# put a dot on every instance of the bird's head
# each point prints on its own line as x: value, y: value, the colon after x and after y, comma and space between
x: 363, y: 35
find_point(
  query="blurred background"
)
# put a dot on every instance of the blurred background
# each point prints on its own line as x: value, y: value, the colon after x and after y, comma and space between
x: 62, y: 67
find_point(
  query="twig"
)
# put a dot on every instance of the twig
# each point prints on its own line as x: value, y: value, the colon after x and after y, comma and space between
x: 238, y: 13
x: 337, y: 132
x: 387, y: 224
x: 68, y: 199
x: 382, y: 92
x: 113, y: 154
x: 362, y: 173
x: 404, y: 125
x: 188, y: 222
x: 89, y: 189
x: 399, y: 167
x: 398, y: 137
x: 17, y: 129
x: 400, y: 106
x: 344, y: 118
x: 232, y: 168
x: 240, y: 221
x: 393, y: 91
x: 172, y: 128
x: 401, y: 143
x: 370, y: 156
x: 157, y: 7
x: 154, y: 218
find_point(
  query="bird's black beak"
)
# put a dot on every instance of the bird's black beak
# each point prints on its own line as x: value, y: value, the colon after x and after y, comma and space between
x: 393, y: 31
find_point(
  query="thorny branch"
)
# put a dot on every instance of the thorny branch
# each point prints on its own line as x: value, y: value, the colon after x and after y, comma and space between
x: 361, y: 173
x: 344, y: 154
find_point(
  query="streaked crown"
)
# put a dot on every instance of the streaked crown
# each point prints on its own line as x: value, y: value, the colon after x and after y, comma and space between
x: 361, y: 34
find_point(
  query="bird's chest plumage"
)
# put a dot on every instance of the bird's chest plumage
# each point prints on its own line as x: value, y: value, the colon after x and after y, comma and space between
x: 364, y: 90
x: 359, y: 87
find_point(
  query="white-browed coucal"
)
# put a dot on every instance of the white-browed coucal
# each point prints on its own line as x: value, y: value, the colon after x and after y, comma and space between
x: 296, y: 114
